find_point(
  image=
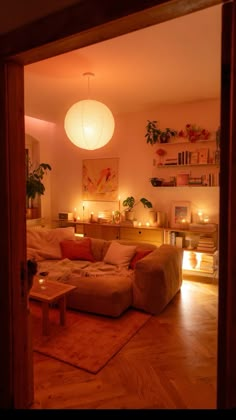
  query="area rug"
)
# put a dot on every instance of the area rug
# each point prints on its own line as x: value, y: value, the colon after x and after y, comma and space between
x: 87, y: 341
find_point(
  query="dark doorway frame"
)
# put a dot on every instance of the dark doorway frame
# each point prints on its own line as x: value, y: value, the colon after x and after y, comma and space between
x: 79, y: 25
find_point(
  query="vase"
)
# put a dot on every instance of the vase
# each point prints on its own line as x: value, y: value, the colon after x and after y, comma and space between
x: 193, y: 259
x: 33, y: 213
x: 129, y: 215
x: 161, y: 219
x: 152, y: 218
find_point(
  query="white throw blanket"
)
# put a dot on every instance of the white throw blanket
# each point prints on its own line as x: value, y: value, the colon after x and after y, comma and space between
x: 62, y: 270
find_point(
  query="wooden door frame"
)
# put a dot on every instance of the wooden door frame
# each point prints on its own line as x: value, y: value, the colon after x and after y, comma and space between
x: 69, y: 29
x: 226, y: 366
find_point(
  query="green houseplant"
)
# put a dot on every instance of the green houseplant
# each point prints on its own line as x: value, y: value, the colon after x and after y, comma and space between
x: 156, y: 135
x: 34, y: 184
x: 130, y: 203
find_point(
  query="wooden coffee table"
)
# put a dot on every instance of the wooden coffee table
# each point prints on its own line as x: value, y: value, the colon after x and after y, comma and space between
x: 53, y: 292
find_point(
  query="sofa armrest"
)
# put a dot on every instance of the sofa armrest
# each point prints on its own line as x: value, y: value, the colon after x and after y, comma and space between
x: 157, y: 279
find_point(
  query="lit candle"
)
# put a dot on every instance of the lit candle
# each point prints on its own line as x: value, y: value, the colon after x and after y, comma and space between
x: 200, y: 214
x: 75, y: 214
x: 83, y: 209
x: 119, y: 203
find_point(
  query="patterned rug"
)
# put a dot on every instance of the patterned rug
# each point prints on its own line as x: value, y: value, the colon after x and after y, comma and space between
x: 87, y: 341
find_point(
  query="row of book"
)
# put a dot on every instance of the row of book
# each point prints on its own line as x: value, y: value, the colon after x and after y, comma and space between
x: 207, y: 263
x: 185, y: 157
x: 206, y: 244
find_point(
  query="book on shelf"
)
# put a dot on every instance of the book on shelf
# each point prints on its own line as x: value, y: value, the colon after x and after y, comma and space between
x: 208, y: 258
x: 207, y: 244
x: 184, y: 157
x: 193, y: 158
x: 210, y: 271
x: 206, y: 227
x: 206, y: 249
x: 170, y: 161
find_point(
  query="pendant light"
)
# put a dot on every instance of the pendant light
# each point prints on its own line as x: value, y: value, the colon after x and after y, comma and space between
x: 89, y: 124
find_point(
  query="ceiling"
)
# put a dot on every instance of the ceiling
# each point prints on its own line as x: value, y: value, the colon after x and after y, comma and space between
x: 175, y: 61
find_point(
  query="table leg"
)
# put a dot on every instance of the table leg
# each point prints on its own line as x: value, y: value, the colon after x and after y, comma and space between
x: 45, y: 314
x: 62, y: 307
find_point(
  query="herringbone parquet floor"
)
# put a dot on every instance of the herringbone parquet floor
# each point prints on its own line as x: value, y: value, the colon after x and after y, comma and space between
x: 170, y: 363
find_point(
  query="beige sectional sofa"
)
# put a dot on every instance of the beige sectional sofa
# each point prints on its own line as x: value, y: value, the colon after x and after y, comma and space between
x: 110, y: 276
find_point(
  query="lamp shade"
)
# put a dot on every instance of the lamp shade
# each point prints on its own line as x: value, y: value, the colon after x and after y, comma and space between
x: 89, y: 124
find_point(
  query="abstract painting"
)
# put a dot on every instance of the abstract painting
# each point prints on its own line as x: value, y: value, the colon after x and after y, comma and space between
x: 100, y: 179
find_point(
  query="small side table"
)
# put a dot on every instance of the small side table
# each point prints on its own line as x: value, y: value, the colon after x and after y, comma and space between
x: 53, y: 291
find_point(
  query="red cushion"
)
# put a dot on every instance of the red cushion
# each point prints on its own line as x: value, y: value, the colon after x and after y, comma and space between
x: 138, y: 256
x: 77, y: 250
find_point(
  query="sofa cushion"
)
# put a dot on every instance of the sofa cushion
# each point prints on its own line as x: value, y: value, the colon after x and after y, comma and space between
x: 139, y: 254
x: 77, y: 250
x: 107, y: 295
x: 43, y: 243
x: 119, y: 255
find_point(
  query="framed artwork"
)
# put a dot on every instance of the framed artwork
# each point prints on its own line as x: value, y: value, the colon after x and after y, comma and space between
x: 182, y: 179
x: 100, y: 179
x: 180, y: 214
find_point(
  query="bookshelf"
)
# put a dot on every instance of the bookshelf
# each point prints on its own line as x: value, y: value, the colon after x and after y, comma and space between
x: 188, y: 164
x: 200, y: 245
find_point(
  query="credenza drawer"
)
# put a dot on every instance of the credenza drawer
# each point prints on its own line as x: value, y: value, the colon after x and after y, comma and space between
x: 107, y: 232
x: 154, y: 236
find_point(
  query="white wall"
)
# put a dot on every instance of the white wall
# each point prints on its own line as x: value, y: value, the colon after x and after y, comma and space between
x: 135, y: 162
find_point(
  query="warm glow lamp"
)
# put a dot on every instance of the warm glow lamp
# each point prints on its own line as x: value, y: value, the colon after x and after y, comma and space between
x: 89, y: 124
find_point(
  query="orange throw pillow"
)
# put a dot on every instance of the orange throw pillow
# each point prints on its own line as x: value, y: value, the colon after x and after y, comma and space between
x: 138, y: 256
x: 77, y: 250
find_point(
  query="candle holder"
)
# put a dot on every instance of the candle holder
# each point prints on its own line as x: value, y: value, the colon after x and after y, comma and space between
x: 83, y: 207
x: 42, y: 279
x: 75, y: 214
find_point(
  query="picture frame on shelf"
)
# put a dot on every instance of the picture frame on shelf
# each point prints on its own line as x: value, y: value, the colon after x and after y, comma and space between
x: 182, y: 179
x: 180, y: 214
x: 203, y: 156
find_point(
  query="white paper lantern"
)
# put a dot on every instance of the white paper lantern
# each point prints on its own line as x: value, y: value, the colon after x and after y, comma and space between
x: 89, y: 124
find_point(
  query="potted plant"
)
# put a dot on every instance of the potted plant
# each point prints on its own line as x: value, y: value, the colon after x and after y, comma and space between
x: 35, y: 186
x: 155, y: 135
x: 156, y: 182
x: 130, y: 203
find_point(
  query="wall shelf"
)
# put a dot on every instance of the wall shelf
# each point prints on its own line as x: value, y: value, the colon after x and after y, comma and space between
x: 214, y: 165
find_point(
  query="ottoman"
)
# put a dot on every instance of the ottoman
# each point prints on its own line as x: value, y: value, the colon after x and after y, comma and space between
x: 102, y: 294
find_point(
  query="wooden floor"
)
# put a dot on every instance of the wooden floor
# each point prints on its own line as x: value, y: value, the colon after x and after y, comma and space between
x: 170, y: 363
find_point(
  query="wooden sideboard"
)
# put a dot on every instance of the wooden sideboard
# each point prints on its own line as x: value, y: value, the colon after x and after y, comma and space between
x: 116, y: 231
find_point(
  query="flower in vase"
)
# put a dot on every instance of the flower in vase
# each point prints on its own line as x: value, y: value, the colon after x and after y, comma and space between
x: 194, y: 133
